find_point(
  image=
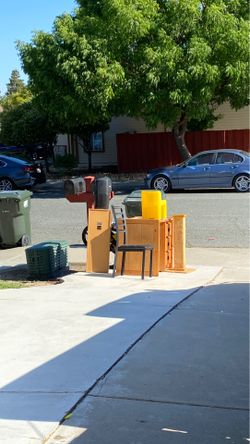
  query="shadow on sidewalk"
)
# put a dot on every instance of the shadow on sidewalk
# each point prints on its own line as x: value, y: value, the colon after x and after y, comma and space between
x: 77, y: 370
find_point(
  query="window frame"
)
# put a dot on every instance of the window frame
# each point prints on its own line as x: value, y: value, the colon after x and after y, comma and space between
x: 200, y: 155
x: 93, y: 150
x: 229, y: 162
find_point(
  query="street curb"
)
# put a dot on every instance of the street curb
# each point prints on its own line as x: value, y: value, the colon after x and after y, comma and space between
x: 117, y: 177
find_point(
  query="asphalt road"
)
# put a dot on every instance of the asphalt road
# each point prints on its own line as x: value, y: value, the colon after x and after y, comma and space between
x: 214, y: 218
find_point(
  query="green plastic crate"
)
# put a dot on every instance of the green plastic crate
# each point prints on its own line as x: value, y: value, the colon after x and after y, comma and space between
x: 47, y: 259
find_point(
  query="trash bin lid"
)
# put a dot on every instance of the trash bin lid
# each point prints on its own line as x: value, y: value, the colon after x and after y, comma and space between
x: 134, y: 196
x: 15, y: 194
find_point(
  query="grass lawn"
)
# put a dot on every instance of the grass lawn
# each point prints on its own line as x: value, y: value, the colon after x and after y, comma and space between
x: 10, y: 284
x: 18, y: 278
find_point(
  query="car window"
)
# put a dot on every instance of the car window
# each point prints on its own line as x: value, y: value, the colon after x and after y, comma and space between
x: 228, y: 158
x: 237, y: 159
x: 202, y: 159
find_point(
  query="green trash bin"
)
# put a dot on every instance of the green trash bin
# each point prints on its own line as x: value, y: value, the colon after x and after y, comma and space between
x: 132, y: 204
x: 15, y: 218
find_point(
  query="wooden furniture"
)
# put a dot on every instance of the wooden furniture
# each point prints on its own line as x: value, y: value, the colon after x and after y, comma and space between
x: 124, y: 247
x: 145, y: 231
x: 179, y: 237
x: 168, y: 237
x: 99, y: 223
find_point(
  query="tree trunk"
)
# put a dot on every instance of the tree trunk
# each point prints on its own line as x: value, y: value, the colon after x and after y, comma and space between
x: 89, y: 160
x: 179, y: 131
x: 86, y: 138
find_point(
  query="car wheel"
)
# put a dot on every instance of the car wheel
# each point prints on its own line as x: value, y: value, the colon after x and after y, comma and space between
x: 161, y: 183
x: 6, y: 184
x: 242, y: 183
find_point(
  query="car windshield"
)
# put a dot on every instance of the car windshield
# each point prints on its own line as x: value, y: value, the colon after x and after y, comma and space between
x: 183, y: 163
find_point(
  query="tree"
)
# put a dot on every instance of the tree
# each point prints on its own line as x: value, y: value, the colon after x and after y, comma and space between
x: 72, y: 77
x: 16, y: 84
x: 197, y: 59
x: 17, y: 92
x: 181, y: 58
x: 26, y: 125
x: 167, y: 61
x: 22, y: 123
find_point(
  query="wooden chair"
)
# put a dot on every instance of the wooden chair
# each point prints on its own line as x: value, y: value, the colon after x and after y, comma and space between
x: 121, y: 229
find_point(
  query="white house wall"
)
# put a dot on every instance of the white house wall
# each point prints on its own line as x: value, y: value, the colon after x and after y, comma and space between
x: 109, y: 156
x: 105, y: 158
x: 231, y: 120
x: 62, y: 145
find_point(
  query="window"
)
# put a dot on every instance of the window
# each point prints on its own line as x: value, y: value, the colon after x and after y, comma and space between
x: 97, y: 144
x: 228, y: 158
x: 203, y: 159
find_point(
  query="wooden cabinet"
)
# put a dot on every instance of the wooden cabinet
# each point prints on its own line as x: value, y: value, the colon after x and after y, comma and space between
x: 145, y: 231
x: 98, y: 241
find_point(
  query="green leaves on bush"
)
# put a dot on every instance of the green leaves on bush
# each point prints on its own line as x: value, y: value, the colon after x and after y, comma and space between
x: 67, y: 161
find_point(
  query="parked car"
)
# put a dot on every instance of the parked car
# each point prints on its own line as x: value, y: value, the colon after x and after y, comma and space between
x: 23, y: 153
x: 225, y: 168
x: 15, y: 174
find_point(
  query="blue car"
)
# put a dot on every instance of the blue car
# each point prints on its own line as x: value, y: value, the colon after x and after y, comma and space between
x: 15, y: 174
x: 225, y: 168
x: 38, y: 164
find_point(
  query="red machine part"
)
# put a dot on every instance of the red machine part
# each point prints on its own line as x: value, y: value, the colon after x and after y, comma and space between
x: 87, y: 196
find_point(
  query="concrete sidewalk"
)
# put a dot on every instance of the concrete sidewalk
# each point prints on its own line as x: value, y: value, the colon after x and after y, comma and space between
x: 186, y: 381
x: 170, y: 348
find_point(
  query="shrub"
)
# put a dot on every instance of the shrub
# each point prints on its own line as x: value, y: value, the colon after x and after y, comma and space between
x: 67, y: 161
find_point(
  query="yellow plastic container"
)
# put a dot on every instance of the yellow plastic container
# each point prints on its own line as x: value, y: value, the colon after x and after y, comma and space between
x: 151, y: 204
x: 164, y: 209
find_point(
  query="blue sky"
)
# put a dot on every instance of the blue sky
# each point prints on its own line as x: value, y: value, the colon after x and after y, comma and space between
x: 19, y: 18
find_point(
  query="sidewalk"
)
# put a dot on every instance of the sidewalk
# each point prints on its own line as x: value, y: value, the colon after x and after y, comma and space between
x: 172, y: 351
x: 186, y: 381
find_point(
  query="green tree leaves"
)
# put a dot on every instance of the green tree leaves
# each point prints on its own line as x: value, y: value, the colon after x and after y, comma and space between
x: 71, y: 74
x: 25, y: 125
x: 167, y: 61
x: 16, y: 84
x: 21, y: 122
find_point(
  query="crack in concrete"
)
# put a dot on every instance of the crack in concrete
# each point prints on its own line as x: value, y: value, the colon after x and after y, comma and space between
x: 192, y: 404
x: 85, y: 394
x: 16, y: 392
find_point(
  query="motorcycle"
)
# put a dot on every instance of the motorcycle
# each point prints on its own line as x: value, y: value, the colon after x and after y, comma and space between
x: 38, y: 171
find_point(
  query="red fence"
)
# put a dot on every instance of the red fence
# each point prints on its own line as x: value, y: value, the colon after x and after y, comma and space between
x: 142, y: 151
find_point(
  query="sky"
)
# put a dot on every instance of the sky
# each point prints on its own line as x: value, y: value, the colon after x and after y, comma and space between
x: 19, y: 18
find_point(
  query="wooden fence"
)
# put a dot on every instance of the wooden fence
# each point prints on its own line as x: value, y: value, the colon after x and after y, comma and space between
x: 143, y: 151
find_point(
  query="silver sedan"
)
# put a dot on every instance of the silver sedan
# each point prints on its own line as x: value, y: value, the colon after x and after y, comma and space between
x: 209, y: 169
